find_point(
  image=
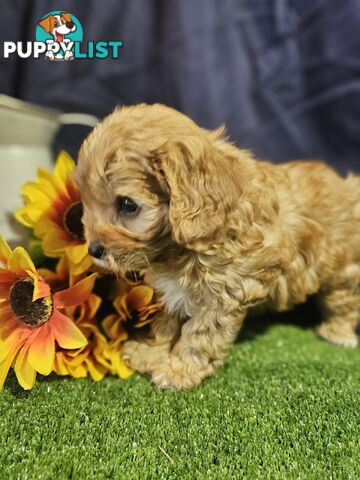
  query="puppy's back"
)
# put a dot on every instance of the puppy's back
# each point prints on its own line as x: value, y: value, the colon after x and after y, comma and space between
x: 330, y: 200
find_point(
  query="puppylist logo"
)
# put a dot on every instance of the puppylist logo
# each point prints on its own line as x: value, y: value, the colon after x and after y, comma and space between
x: 59, y: 37
x: 60, y: 31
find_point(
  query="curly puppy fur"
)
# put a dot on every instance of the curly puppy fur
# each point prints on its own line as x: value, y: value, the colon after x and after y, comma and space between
x: 218, y: 233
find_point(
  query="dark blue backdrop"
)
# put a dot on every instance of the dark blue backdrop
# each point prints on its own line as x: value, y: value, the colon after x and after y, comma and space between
x: 284, y: 75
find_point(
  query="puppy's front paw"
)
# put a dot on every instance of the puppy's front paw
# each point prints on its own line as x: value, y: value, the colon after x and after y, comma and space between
x: 168, y: 379
x: 131, y: 354
x: 143, y: 357
x: 176, y: 375
x: 168, y: 370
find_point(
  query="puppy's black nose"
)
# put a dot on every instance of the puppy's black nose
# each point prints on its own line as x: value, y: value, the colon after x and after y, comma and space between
x: 70, y: 24
x: 96, y: 250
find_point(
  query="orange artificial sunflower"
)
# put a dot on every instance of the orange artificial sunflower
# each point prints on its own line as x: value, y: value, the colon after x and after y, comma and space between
x: 53, y: 209
x: 90, y: 360
x: 134, y: 310
x: 30, y: 317
x: 80, y: 362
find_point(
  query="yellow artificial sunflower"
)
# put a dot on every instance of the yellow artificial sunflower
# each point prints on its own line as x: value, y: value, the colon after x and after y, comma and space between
x: 53, y: 209
x: 30, y: 317
x: 134, y: 310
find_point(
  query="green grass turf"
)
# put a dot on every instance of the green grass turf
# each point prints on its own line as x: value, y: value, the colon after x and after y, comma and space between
x: 286, y: 405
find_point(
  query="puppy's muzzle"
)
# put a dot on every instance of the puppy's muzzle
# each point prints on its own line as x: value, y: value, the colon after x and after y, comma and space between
x: 96, y: 250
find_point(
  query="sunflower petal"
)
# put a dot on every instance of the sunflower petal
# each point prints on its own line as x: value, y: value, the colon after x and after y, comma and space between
x: 6, y: 364
x: 139, y: 297
x: 59, y: 364
x: 5, y: 250
x: 19, y: 261
x: 94, y: 303
x: 25, y: 373
x: 55, y: 243
x: 142, y: 323
x: 62, y: 268
x: 122, y: 369
x: 55, y: 182
x: 66, y: 333
x: 78, y: 372
x: 41, y: 289
x: 23, y: 218
x: 74, y: 358
x: 100, y: 358
x: 96, y: 370
x: 13, y: 340
x: 8, y: 323
x: 43, y: 226
x: 112, y: 327
x: 120, y: 305
x: 33, y: 211
x: 48, y: 275
x: 77, y: 253
x: 76, y: 294
x: 43, y: 180
x: 37, y: 192
x: 6, y: 276
x: 42, y: 351
x: 64, y: 166
x: 82, y: 267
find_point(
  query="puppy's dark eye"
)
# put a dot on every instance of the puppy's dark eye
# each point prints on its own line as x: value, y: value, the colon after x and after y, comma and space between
x: 126, y: 206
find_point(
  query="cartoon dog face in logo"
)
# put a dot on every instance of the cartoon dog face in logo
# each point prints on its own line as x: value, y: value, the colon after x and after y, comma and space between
x: 58, y: 26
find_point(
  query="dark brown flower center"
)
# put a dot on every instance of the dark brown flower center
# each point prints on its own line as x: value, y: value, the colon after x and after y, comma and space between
x: 72, y: 220
x: 32, y: 313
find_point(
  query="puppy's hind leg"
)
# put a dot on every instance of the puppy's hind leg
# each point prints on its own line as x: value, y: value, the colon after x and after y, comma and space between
x: 341, y: 309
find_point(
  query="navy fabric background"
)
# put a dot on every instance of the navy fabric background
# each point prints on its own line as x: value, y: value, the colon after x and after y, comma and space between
x: 283, y: 75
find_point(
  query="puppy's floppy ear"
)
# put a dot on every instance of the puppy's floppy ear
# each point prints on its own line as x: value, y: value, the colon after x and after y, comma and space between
x: 203, y: 190
x: 47, y: 23
x: 66, y: 16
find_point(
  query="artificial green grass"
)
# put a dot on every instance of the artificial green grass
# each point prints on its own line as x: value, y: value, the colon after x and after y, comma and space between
x: 286, y: 405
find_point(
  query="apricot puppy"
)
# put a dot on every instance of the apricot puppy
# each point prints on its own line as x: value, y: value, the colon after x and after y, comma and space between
x: 217, y: 232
